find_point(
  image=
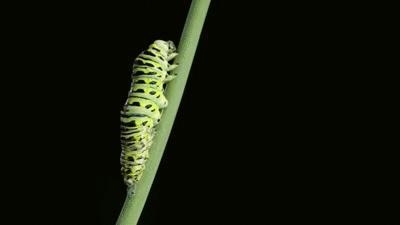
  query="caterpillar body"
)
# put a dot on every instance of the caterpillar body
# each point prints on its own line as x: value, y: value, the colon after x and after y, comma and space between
x: 143, y: 108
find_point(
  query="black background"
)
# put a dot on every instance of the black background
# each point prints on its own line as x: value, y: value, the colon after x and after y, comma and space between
x: 269, y: 128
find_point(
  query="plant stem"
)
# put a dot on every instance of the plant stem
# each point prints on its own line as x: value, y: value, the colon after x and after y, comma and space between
x: 134, y: 204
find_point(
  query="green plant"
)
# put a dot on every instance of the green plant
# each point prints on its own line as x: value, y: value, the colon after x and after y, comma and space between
x: 134, y: 204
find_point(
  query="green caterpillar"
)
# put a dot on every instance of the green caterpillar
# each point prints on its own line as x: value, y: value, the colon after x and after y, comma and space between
x: 143, y: 108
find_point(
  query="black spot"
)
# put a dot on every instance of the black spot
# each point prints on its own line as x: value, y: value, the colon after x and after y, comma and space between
x: 153, y: 82
x: 159, y: 68
x: 158, y: 50
x: 139, y: 90
x: 153, y: 110
x: 141, y: 72
x: 153, y: 92
x: 140, y: 82
x: 138, y: 72
x: 144, y: 123
x: 139, y: 62
x: 136, y: 103
x: 158, y: 96
x: 149, y: 53
x: 130, y: 158
x: 129, y: 124
x: 149, y: 64
x: 148, y: 106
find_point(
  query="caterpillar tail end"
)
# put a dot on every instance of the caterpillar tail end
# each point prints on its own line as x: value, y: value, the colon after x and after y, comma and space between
x: 131, y: 190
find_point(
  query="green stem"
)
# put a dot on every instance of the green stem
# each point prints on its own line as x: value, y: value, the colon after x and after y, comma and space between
x: 134, y: 204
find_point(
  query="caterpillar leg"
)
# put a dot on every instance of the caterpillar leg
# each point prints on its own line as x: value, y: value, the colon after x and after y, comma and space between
x: 169, y: 58
x: 172, y: 56
x: 170, y: 77
x: 172, y: 67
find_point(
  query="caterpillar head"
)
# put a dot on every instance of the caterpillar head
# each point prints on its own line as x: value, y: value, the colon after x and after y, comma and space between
x: 167, y: 46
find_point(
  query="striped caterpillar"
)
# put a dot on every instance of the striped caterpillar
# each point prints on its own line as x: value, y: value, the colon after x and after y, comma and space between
x: 143, y: 108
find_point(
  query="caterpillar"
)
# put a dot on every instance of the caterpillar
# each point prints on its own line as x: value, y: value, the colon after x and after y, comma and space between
x: 143, y: 108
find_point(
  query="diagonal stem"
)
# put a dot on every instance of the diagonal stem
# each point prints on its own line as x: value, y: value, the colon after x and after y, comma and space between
x: 134, y: 204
